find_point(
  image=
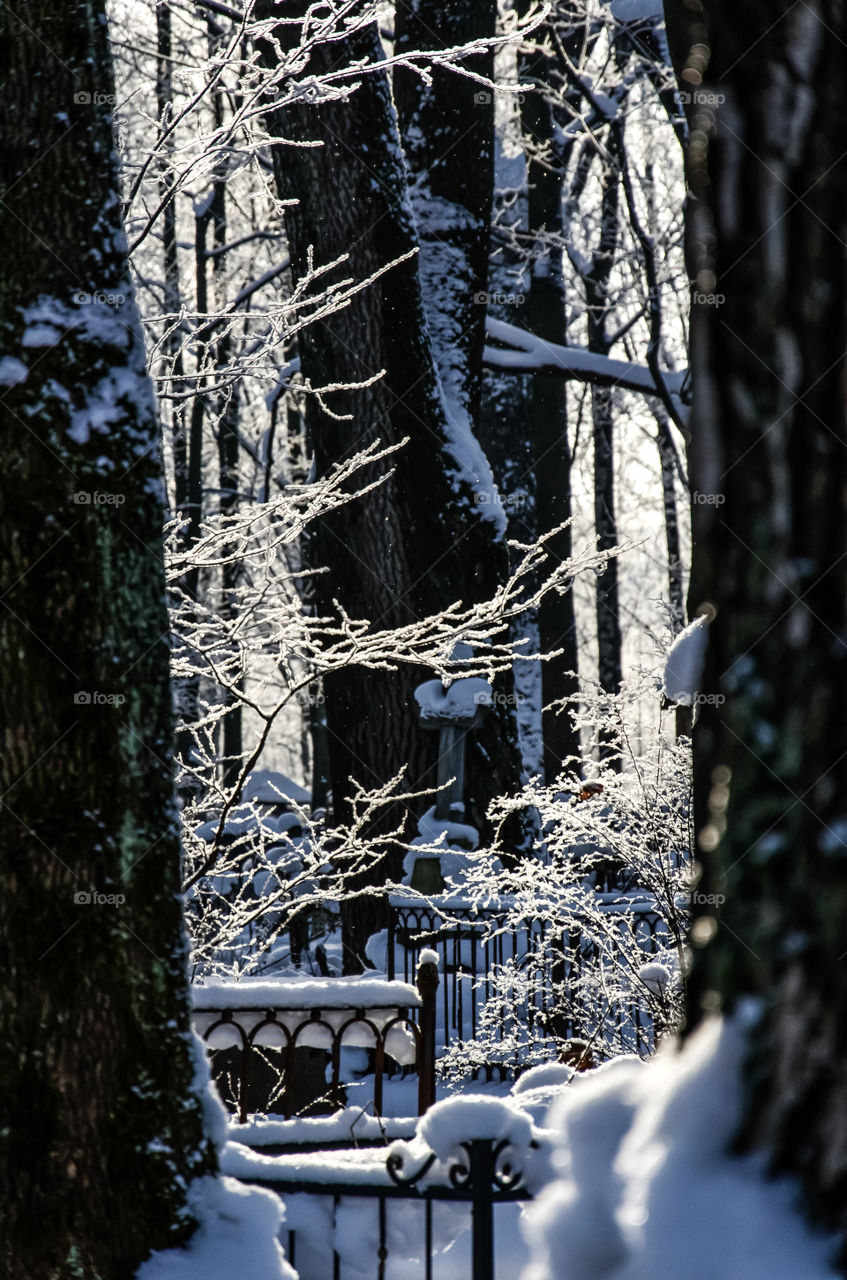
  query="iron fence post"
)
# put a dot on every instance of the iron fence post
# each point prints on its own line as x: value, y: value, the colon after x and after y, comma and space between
x: 482, y: 1209
x: 389, y: 956
x: 427, y: 977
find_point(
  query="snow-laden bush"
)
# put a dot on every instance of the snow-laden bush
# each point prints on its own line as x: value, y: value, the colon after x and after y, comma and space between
x: 602, y: 908
x: 257, y: 647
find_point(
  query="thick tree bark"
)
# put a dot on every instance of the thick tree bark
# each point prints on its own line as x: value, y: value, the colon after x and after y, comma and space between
x: 770, y: 441
x: 100, y: 1130
x: 447, y: 131
x: 420, y: 541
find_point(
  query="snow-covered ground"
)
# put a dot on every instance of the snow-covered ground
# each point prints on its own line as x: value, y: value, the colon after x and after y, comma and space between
x: 238, y: 1226
x: 645, y: 1187
x: 628, y: 1164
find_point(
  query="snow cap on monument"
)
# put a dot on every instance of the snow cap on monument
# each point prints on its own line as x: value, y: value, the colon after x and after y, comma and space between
x: 684, y: 663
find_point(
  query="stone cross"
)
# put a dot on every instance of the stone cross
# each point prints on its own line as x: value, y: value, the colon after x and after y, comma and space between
x: 453, y: 712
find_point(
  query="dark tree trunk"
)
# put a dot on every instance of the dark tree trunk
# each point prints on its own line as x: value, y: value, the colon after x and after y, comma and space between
x: 100, y: 1130
x: 447, y: 130
x: 504, y: 414
x: 676, y: 592
x: 188, y: 689
x: 668, y: 466
x: 173, y: 340
x: 610, y: 667
x: 226, y: 420
x: 770, y: 438
x: 549, y: 416
x: 420, y: 541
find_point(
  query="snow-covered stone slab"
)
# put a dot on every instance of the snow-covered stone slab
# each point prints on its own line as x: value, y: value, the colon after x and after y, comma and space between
x: 349, y: 1125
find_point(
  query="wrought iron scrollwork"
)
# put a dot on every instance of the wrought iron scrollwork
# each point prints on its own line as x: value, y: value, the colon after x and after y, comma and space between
x: 395, y: 1164
x: 478, y: 1160
x: 459, y: 1169
x: 507, y: 1174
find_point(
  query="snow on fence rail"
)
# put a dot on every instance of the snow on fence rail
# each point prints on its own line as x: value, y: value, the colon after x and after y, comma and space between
x: 288, y: 1014
x: 480, y: 1151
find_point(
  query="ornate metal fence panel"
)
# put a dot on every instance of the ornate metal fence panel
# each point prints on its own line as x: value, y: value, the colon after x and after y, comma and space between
x: 475, y: 949
x: 482, y: 1174
x: 280, y: 1019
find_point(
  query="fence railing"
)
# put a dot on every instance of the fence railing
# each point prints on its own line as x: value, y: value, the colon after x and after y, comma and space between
x: 481, y: 1173
x: 475, y: 950
x: 266, y: 1023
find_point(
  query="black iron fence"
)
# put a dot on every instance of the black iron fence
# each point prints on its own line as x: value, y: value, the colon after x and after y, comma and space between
x: 257, y: 1042
x: 481, y: 1174
x: 268, y: 1059
x: 557, y: 998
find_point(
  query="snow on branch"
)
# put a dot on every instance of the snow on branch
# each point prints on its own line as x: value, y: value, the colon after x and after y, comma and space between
x: 527, y: 353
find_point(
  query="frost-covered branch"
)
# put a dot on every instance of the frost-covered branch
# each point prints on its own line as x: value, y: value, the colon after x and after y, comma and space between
x: 523, y: 352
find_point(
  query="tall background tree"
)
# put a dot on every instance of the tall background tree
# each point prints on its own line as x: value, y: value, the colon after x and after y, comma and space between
x: 424, y: 539
x: 766, y: 92
x: 100, y: 1128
